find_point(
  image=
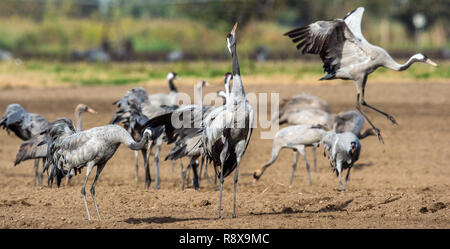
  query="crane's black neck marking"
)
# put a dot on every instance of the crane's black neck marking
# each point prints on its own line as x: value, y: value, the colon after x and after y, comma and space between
x: 172, y: 86
x: 236, y: 69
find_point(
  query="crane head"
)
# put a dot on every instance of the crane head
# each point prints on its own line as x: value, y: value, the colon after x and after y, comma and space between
x: 423, y: 58
x: 171, y: 76
x: 231, y: 38
x: 85, y: 108
x: 227, y: 78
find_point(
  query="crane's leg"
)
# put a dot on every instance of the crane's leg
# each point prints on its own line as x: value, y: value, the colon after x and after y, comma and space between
x: 99, y: 170
x: 194, y: 163
x: 346, y: 177
x: 157, y: 154
x: 173, y: 165
x: 136, y: 163
x: 36, y: 171
x: 339, y: 171
x: 301, y: 150
x: 222, y: 162
x: 182, y: 174
x: 146, y: 157
x: 51, y: 175
x: 364, y: 103
x: 315, y: 158
x: 294, y: 166
x: 275, y: 152
x: 201, y: 167
x: 239, y: 150
x: 69, y: 175
x: 90, y: 165
x: 207, y: 176
x: 44, y: 168
x: 360, y: 85
x: 377, y: 131
x: 188, y: 174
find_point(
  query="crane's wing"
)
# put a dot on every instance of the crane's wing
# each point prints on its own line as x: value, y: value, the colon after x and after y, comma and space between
x: 333, y: 41
x: 16, y: 119
x: 34, y: 148
x: 251, y: 122
x: 127, y: 104
x: 351, y: 121
x: 353, y: 21
x: 37, y: 123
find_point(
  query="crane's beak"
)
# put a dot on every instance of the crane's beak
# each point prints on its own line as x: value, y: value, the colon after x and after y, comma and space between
x: 431, y: 63
x: 91, y: 110
x: 233, y: 31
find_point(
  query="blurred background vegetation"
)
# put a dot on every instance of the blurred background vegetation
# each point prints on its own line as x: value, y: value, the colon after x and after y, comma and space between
x: 196, y: 29
x: 114, y: 42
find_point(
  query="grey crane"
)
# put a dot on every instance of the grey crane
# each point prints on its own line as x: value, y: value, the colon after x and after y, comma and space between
x: 347, y: 55
x: 297, y: 138
x: 308, y: 115
x: 140, y: 98
x: 186, y: 139
x: 159, y: 99
x: 80, y: 109
x: 25, y: 125
x: 33, y: 148
x: 228, y: 128
x: 92, y: 147
x: 343, y: 151
x: 298, y: 103
x: 351, y: 121
x: 304, y: 109
x: 226, y: 94
x: 225, y: 130
x: 136, y: 103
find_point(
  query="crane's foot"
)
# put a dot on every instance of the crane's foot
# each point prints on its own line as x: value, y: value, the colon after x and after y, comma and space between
x: 392, y: 119
x: 380, y: 137
x: 255, y: 178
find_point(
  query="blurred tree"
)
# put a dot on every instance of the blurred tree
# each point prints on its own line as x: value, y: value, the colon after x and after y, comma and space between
x: 405, y: 10
x: 222, y: 14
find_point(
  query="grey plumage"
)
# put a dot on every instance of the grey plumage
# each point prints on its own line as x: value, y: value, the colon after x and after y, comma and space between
x: 343, y: 151
x: 347, y: 55
x: 36, y: 148
x: 298, y: 103
x: 228, y: 128
x: 133, y: 110
x: 93, y: 147
x: 297, y: 138
x: 351, y: 121
x: 343, y: 148
x: 159, y: 99
x: 25, y: 125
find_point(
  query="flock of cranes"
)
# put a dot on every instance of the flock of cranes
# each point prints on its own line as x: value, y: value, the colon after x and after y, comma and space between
x: 215, y: 134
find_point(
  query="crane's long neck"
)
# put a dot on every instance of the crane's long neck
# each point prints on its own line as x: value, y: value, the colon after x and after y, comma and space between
x: 199, y: 96
x: 172, y: 86
x: 238, y: 87
x: 78, y: 120
x: 227, y: 88
x: 130, y: 143
x: 392, y: 64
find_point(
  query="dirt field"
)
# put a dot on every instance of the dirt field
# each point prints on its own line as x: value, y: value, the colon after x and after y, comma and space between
x: 404, y: 183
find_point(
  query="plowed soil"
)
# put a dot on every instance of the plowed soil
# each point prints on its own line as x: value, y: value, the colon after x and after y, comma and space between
x: 404, y: 183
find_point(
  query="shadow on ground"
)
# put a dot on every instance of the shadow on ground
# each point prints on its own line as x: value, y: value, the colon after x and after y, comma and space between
x: 160, y: 220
